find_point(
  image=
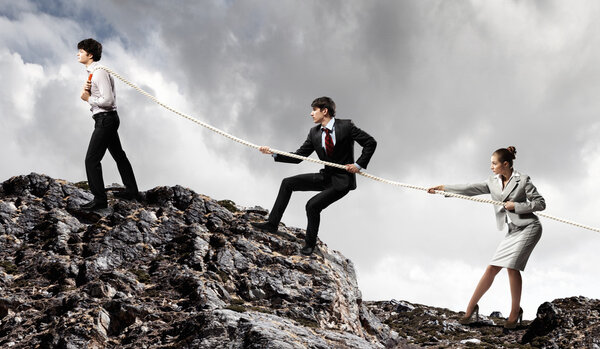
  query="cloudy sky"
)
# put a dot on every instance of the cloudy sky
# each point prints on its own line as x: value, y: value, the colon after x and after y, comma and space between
x: 439, y: 84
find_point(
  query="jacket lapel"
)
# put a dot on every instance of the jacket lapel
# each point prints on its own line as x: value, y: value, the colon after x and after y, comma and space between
x: 512, y: 184
x: 318, y: 143
x: 339, y: 135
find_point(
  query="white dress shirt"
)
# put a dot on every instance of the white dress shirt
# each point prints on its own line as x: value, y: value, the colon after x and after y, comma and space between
x: 103, y: 97
x: 329, y: 126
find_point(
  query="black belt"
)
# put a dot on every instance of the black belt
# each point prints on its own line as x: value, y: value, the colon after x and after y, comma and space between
x: 104, y: 113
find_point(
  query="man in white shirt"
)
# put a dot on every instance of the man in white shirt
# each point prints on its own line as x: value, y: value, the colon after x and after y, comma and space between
x: 99, y: 92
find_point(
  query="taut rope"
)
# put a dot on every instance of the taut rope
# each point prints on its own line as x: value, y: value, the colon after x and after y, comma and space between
x: 331, y: 164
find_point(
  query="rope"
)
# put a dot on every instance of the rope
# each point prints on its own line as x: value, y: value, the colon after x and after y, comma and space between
x: 321, y: 162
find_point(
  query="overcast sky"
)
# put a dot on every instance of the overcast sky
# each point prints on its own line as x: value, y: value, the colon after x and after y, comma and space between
x: 439, y: 84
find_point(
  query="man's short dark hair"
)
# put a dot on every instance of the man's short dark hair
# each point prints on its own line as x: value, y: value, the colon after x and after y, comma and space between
x: 324, y: 102
x: 92, y: 47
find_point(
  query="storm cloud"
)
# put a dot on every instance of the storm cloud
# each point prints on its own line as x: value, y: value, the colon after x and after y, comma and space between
x: 439, y: 84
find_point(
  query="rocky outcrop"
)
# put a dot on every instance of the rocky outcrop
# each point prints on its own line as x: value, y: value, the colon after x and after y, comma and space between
x: 433, y: 327
x: 174, y: 270
x: 564, y: 323
x: 180, y: 270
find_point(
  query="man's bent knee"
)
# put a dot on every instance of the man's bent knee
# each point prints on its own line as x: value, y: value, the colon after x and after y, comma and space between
x: 313, y: 207
x: 287, y: 183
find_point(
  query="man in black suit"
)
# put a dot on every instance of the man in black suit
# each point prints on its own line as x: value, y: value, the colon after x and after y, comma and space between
x: 333, y: 140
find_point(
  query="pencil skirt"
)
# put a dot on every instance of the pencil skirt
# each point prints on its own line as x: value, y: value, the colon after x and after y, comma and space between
x: 514, y: 251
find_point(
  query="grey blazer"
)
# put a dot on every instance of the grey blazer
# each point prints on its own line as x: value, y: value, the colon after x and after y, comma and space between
x: 519, y: 190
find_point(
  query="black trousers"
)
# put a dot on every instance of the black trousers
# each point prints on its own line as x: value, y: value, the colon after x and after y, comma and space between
x: 105, y: 137
x: 307, y: 182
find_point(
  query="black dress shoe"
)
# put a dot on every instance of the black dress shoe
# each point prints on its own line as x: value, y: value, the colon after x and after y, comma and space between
x: 94, y: 205
x: 125, y: 195
x: 265, y: 226
x: 307, y: 250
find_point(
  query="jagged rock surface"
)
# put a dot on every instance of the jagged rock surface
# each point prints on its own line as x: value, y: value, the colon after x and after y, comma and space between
x: 564, y: 323
x: 175, y: 270
x: 433, y: 327
x: 181, y: 270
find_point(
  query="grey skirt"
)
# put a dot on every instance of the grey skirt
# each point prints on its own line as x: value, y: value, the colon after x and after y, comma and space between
x: 514, y: 251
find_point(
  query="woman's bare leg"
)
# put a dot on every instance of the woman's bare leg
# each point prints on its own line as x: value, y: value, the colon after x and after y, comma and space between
x: 516, y: 285
x: 484, y: 284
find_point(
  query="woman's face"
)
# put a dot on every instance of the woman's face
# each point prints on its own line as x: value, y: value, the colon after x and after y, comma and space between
x: 497, y: 166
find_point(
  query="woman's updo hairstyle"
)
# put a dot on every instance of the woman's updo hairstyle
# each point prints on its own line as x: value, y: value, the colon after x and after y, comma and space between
x: 506, y: 154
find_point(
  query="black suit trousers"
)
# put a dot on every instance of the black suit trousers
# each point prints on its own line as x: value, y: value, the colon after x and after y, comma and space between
x: 307, y: 182
x: 105, y: 137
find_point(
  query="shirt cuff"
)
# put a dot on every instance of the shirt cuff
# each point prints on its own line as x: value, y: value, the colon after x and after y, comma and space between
x: 358, y: 166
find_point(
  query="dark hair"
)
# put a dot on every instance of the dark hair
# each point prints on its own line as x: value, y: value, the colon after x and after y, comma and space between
x: 92, y: 47
x: 324, y: 102
x: 507, y: 154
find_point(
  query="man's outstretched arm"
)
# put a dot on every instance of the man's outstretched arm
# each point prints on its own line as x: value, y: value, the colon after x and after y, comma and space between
x: 305, y: 150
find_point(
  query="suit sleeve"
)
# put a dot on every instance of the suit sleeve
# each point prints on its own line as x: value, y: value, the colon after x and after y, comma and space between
x: 305, y: 150
x: 535, y: 202
x: 368, y: 144
x: 468, y: 189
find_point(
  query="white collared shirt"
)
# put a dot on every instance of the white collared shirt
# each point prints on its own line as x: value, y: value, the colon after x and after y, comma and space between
x: 103, y: 97
x: 329, y: 126
x: 498, y: 177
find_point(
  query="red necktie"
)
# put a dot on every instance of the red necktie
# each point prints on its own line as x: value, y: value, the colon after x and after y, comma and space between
x: 328, y: 142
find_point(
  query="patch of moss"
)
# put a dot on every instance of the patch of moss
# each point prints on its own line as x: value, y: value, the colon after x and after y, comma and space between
x: 152, y: 292
x: 235, y: 307
x: 223, y: 275
x: 83, y: 185
x: 306, y: 322
x: 9, y: 267
x: 228, y: 204
x: 141, y: 275
x: 235, y: 301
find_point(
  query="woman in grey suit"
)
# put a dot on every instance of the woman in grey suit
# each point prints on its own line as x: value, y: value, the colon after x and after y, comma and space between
x: 521, y: 199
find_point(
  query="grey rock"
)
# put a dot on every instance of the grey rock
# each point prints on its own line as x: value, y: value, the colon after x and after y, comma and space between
x: 496, y: 314
x: 181, y: 270
x: 568, y: 322
x: 259, y: 330
x: 402, y: 306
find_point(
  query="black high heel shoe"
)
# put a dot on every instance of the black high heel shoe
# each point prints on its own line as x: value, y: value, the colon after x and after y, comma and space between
x: 511, y: 325
x: 465, y: 320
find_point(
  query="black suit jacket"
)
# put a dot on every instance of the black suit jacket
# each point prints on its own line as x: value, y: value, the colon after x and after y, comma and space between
x: 346, y: 133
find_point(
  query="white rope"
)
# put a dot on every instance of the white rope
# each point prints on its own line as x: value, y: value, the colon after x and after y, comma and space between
x: 331, y: 164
